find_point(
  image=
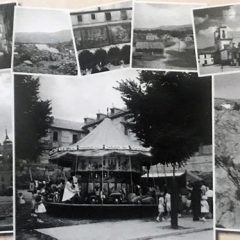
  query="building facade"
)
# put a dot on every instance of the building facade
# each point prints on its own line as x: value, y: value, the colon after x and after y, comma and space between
x: 102, y: 27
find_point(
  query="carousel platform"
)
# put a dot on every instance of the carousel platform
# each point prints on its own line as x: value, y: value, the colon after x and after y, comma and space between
x: 96, y: 211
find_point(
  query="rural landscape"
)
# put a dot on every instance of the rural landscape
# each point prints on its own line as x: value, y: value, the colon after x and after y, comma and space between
x: 164, y: 47
x: 38, y: 49
x: 45, y: 53
x: 163, y: 41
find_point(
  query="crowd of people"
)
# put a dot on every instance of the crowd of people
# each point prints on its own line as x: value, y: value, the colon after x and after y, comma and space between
x: 195, y: 199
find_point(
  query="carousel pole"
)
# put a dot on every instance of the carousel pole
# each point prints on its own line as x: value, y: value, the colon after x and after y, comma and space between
x: 102, y: 182
x: 131, y: 177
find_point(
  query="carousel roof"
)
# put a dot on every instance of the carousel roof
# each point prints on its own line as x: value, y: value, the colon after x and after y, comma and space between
x: 106, y: 138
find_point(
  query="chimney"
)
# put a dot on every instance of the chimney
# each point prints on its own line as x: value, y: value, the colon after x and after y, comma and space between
x: 88, y: 120
x: 101, y: 116
x: 115, y: 110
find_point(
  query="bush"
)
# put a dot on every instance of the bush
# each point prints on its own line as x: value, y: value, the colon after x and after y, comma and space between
x: 125, y: 54
x: 114, y: 56
x: 86, y: 60
x: 101, y: 57
x: 236, y: 106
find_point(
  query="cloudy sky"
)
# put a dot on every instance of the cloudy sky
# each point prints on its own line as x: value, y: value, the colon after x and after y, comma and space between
x: 207, y: 20
x: 227, y: 86
x: 76, y: 98
x: 40, y: 20
x: 155, y: 15
x: 6, y: 100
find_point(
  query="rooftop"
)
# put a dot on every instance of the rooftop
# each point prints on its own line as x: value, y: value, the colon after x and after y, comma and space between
x: 66, y: 124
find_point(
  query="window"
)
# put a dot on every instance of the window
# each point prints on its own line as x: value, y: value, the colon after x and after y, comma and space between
x: 74, y: 138
x: 123, y: 14
x: 79, y: 18
x: 55, y: 136
x: 93, y: 16
x: 108, y: 16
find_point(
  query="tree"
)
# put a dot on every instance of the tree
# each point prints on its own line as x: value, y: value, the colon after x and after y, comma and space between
x: 101, y: 57
x: 114, y: 56
x: 125, y: 54
x: 86, y: 60
x: 32, y: 118
x: 171, y: 113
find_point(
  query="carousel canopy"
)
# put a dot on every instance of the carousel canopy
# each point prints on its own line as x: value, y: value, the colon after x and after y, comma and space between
x: 106, y: 138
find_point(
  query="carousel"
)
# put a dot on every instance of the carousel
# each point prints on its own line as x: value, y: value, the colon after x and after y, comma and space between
x: 108, y: 165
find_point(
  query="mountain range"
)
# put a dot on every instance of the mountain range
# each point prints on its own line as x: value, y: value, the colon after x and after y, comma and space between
x: 43, y: 38
x: 185, y: 27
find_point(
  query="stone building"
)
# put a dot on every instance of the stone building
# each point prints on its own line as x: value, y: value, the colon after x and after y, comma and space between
x: 3, y: 41
x: 102, y: 26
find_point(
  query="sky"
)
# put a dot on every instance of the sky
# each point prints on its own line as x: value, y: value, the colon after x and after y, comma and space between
x: 207, y: 20
x: 155, y: 15
x: 6, y: 100
x: 227, y: 86
x: 40, y: 20
x: 76, y: 98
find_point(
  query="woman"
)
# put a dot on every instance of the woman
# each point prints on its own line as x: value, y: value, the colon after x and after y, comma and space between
x: 69, y: 191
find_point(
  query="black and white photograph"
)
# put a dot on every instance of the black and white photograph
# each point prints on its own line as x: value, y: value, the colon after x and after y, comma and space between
x: 217, y: 32
x: 43, y: 42
x: 163, y: 36
x: 227, y: 235
x: 6, y: 149
x: 227, y: 150
x: 118, y: 151
x: 6, y: 33
x: 103, y: 35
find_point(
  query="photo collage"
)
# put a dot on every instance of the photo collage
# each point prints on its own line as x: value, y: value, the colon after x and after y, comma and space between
x: 119, y: 120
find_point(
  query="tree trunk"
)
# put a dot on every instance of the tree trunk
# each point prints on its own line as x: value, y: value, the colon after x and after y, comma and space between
x: 174, y: 202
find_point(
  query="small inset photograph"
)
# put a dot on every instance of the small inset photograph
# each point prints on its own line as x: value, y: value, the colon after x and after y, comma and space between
x: 6, y: 149
x: 227, y: 150
x: 43, y: 42
x: 163, y: 36
x: 103, y: 35
x: 217, y: 32
x: 6, y: 32
x: 227, y: 235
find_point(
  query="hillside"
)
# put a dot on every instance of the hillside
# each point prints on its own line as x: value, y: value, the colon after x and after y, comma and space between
x: 227, y: 155
x: 43, y: 38
x: 186, y: 27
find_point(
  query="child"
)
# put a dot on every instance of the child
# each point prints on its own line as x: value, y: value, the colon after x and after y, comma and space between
x: 204, y: 208
x: 161, y: 208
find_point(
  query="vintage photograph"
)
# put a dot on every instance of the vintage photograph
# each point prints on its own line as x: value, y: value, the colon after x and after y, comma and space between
x: 43, y: 42
x: 6, y: 33
x: 227, y: 150
x: 163, y: 36
x: 103, y: 35
x: 6, y: 149
x: 137, y: 155
x: 217, y: 32
x: 227, y: 235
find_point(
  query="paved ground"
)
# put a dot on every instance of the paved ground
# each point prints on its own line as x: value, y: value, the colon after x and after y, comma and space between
x: 145, y: 229
x: 6, y: 213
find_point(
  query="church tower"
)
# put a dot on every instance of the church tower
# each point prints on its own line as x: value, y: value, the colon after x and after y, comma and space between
x: 7, y: 148
x: 221, y: 38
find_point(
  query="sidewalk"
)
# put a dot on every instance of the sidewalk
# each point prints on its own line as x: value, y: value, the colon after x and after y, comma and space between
x: 128, y: 229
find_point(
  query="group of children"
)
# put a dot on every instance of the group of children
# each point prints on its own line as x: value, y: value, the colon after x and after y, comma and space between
x: 202, y: 201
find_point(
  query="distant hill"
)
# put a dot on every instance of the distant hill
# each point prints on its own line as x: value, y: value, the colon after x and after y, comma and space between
x: 186, y: 27
x: 43, y: 38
